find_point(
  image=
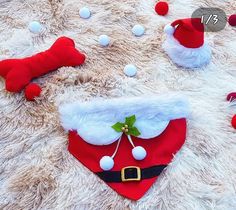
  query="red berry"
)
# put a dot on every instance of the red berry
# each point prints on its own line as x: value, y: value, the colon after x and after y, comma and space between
x: 162, y: 8
x: 232, y: 20
x: 231, y: 96
x: 31, y: 91
x: 233, y: 121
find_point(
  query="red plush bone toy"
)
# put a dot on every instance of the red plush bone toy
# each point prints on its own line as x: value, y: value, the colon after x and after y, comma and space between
x: 19, y: 72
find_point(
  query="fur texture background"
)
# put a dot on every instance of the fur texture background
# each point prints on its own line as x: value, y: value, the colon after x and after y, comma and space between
x: 37, y: 171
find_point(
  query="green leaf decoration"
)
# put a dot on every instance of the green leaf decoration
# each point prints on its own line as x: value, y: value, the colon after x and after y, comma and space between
x: 133, y: 131
x: 118, y: 126
x: 127, y: 127
x: 130, y: 120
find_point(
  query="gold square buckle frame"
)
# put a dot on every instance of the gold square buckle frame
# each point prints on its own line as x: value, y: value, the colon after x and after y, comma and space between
x: 130, y: 168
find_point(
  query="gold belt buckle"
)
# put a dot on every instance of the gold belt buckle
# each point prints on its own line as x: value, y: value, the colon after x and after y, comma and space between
x: 124, y: 179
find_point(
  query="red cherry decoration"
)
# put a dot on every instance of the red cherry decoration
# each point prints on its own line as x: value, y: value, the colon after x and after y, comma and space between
x: 31, y: 91
x: 162, y: 8
x: 231, y: 97
x: 232, y: 20
x: 233, y: 121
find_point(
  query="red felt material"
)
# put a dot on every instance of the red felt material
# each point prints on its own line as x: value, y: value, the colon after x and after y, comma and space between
x: 19, y: 72
x: 189, y: 32
x: 162, y: 8
x: 160, y: 150
x: 231, y: 96
x: 232, y: 20
x: 31, y: 91
x: 233, y: 121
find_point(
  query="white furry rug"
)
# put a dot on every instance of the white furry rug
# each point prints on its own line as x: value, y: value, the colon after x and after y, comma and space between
x: 37, y: 171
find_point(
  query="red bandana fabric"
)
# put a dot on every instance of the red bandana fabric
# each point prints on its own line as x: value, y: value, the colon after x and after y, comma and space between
x: 129, y: 177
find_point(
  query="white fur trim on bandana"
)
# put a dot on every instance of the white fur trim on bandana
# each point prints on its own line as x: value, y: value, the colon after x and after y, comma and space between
x: 93, y: 120
x: 187, y: 57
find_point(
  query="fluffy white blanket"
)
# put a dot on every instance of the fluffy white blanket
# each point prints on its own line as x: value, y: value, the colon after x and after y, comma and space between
x: 37, y: 171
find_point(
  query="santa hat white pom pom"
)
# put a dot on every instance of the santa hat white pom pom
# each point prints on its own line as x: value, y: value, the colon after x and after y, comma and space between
x: 169, y: 29
x: 106, y: 163
x: 139, y: 153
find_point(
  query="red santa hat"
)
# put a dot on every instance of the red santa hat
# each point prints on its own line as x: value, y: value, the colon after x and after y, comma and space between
x: 185, y: 43
x: 127, y: 162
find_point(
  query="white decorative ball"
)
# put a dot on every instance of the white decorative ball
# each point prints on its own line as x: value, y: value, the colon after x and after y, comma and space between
x: 169, y: 29
x: 138, y: 30
x: 35, y: 27
x: 104, y: 40
x: 106, y: 163
x: 84, y: 13
x: 139, y: 153
x: 130, y: 70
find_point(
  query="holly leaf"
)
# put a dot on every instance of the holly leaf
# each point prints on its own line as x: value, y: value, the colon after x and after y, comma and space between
x: 133, y: 131
x: 118, y: 127
x: 129, y: 126
x: 130, y: 121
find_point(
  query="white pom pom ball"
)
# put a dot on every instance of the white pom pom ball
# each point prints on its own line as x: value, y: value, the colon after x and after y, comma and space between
x: 169, y: 29
x: 106, y: 163
x: 139, y: 153
x: 104, y: 40
x: 138, y: 30
x: 84, y: 13
x: 35, y: 27
x: 130, y: 70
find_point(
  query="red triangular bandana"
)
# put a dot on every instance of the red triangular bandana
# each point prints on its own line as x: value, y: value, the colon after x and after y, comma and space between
x: 160, y: 151
x: 135, y: 180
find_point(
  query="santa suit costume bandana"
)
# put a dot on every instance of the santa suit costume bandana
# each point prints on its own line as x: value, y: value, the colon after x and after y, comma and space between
x: 185, y: 43
x: 127, y: 142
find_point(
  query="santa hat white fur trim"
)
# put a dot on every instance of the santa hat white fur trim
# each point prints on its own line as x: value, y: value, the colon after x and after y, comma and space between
x: 187, y: 57
x: 93, y: 120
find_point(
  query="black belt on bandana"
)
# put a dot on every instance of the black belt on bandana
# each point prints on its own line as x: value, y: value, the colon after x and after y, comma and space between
x: 131, y: 173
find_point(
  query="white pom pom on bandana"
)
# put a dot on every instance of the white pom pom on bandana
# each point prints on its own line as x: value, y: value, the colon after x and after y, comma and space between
x: 138, y: 30
x: 139, y: 153
x: 35, y: 27
x: 169, y: 29
x: 106, y: 163
x: 104, y: 40
x: 130, y: 70
x: 84, y: 13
